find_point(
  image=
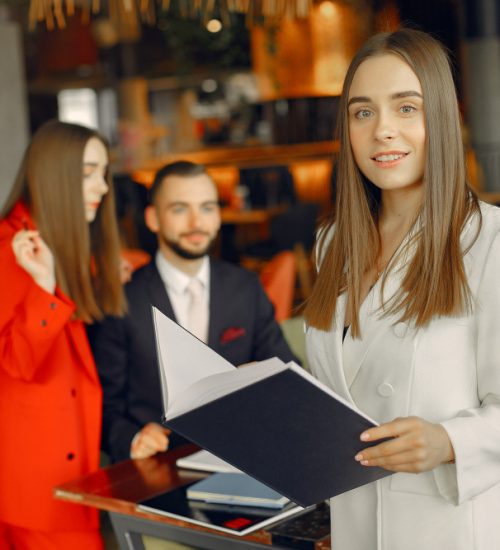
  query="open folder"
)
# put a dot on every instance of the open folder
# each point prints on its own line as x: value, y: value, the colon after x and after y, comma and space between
x: 272, y: 420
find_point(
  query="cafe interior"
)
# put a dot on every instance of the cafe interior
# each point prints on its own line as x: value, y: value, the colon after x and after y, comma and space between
x: 248, y: 88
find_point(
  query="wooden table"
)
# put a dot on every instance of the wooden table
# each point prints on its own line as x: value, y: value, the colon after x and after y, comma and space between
x: 118, y: 489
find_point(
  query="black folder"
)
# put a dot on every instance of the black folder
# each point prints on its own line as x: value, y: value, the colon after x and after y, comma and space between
x: 286, y: 429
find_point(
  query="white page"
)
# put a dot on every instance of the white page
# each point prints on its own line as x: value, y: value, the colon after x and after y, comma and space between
x: 183, y: 358
x: 210, y: 388
x: 206, y: 462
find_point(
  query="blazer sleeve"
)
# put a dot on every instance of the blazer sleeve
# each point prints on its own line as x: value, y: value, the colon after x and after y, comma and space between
x: 475, y: 432
x: 109, y: 342
x: 268, y: 337
x: 31, y: 319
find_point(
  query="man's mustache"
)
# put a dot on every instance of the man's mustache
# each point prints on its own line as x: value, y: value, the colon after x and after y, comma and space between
x: 195, y: 233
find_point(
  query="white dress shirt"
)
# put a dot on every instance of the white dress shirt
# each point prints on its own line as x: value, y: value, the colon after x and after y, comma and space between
x: 176, y: 282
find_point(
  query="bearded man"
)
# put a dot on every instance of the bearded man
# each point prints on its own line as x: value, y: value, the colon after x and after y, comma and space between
x: 220, y: 303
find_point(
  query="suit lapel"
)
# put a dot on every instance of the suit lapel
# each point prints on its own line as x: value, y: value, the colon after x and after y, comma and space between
x: 157, y: 292
x: 217, y: 296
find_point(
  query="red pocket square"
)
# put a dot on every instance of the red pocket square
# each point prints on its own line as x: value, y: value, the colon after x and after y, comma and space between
x: 232, y: 333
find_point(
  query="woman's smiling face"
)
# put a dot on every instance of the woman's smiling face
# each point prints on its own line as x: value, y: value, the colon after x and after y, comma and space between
x: 387, y: 124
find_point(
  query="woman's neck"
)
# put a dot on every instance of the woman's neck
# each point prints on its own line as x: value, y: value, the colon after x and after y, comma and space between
x: 400, y: 207
x: 398, y: 212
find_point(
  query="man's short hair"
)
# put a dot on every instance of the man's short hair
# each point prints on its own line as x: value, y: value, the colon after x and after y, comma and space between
x: 182, y: 168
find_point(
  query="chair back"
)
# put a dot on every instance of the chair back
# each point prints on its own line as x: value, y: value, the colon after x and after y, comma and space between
x: 278, y: 279
x: 135, y: 257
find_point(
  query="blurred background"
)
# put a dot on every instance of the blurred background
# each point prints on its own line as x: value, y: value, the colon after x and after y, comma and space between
x: 248, y: 88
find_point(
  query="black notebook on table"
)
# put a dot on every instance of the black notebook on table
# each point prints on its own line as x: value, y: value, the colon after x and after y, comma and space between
x: 273, y: 421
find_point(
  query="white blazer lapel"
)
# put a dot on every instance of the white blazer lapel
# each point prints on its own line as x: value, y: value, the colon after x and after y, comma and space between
x: 336, y: 348
x: 355, y: 350
x: 324, y: 351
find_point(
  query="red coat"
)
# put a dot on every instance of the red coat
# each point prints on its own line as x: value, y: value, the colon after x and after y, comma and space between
x: 50, y: 398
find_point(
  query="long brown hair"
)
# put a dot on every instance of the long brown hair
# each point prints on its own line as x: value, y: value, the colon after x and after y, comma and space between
x: 434, y: 283
x: 86, y: 256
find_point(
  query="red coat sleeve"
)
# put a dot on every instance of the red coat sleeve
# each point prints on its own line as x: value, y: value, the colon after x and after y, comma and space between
x: 30, y: 318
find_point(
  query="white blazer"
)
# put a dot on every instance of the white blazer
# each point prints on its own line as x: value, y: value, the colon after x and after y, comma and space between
x: 447, y: 372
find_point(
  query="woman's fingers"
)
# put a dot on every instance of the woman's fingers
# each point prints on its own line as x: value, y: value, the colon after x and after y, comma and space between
x: 415, y: 459
x: 395, y: 428
x: 35, y: 257
x: 28, y: 246
x: 415, y: 445
x: 23, y: 241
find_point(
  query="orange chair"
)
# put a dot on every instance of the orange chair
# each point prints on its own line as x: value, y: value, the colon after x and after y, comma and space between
x: 278, y: 279
x: 136, y: 257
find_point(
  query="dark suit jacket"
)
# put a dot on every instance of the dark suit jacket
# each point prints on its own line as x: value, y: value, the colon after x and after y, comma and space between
x: 241, y: 329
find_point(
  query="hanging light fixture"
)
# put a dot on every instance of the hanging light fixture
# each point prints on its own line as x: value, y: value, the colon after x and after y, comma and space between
x: 55, y: 12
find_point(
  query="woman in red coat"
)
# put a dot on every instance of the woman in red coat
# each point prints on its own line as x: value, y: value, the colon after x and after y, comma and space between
x: 59, y: 258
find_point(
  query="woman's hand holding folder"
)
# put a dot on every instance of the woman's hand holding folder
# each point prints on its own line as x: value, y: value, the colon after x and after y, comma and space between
x: 415, y: 446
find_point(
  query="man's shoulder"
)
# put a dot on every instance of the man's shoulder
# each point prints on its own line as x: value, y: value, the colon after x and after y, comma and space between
x: 142, y: 282
x: 232, y: 272
x: 142, y: 275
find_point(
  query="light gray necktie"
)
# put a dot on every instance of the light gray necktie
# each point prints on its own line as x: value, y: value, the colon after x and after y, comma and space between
x: 197, y: 319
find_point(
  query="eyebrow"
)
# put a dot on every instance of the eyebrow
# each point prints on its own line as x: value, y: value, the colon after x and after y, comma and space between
x: 182, y: 203
x: 397, y: 95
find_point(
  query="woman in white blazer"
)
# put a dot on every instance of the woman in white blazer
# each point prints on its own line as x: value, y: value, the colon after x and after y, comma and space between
x: 404, y: 317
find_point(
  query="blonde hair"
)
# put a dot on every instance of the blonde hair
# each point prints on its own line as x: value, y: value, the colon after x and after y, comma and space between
x: 435, y: 282
x: 86, y: 256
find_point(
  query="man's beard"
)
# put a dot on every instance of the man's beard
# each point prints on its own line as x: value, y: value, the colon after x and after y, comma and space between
x: 188, y: 254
